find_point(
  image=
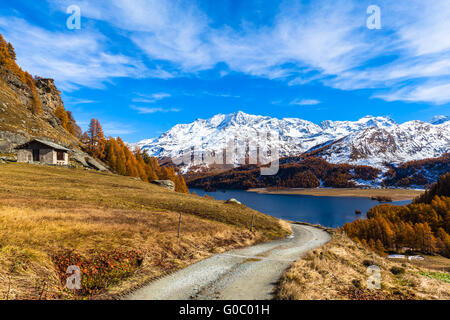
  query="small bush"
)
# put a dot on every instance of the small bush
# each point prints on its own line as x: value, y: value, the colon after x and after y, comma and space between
x: 368, y: 263
x: 99, y: 270
x: 397, y: 270
x: 382, y: 198
x: 356, y: 283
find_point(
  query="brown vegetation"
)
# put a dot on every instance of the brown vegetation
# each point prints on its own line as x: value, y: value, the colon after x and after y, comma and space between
x: 308, y: 170
x: 417, y: 173
x: 22, y: 108
x: 304, y: 173
x: 7, y: 61
x: 338, y: 271
x: 120, y: 231
x: 382, y: 198
x: 121, y: 160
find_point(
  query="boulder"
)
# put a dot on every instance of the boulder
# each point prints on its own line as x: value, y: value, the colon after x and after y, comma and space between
x: 232, y: 200
x: 86, y: 160
x: 95, y: 164
x: 80, y: 158
x: 9, y: 140
x: 168, y: 184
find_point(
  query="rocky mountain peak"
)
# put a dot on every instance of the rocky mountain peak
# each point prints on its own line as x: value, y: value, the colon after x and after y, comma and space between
x: 439, y: 119
x: 369, y: 140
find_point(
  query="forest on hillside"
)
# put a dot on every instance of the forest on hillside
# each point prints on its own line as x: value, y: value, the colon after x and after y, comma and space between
x: 310, y: 171
x: 8, y: 62
x: 121, y: 160
x: 423, y: 225
x: 418, y: 172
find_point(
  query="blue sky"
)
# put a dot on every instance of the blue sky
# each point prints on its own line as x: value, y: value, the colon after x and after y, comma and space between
x: 141, y: 67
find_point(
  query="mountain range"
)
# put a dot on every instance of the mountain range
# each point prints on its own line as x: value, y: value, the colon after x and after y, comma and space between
x: 373, y: 141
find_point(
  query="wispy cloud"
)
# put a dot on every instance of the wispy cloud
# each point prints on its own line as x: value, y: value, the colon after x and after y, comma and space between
x: 152, y: 98
x: 117, y: 128
x: 218, y: 94
x: 150, y: 110
x: 417, y: 36
x: 435, y: 93
x: 322, y: 41
x: 76, y: 101
x: 179, y: 32
x: 305, y: 102
x: 72, y: 59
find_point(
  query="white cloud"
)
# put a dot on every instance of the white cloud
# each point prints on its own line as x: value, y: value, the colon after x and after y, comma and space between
x: 117, y: 128
x: 306, y: 42
x: 152, y: 98
x: 221, y: 95
x: 324, y: 41
x: 74, y: 101
x: 434, y: 93
x: 151, y: 110
x: 420, y: 42
x: 305, y: 102
x: 73, y: 59
x: 180, y: 33
x: 164, y: 30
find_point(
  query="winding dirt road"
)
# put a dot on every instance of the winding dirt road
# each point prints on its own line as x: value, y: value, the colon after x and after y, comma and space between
x: 248, y: 274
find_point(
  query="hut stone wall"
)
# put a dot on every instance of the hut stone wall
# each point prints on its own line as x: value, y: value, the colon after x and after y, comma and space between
x: 25, y: 155
x: 47, y: 156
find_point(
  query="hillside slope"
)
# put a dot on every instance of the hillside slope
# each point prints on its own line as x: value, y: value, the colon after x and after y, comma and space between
x: 28, y: 106
x: 120, y: 231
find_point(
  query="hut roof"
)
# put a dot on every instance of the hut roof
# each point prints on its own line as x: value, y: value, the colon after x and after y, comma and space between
x: 44, y: 142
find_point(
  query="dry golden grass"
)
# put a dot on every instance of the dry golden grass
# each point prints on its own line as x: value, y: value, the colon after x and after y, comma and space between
x: 337, y: 271
x: 394, y: 194
x: 435, y: 263
x: 112, y: 191
x: 44, y: 210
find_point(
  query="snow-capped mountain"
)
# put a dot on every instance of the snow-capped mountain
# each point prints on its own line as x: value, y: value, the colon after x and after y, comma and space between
x: 439, y: 119
x: 370, y: 140
x: 413, y: 140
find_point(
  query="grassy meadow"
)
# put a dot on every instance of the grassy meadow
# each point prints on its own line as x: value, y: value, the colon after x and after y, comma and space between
x: 122, y: 232
x: 338, y: 271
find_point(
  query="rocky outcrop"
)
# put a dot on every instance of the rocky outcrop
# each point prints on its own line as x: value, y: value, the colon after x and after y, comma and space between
x: 167, y: 184
x: 22, y: 91
x: 49, y: 95
x: 9, y: 140
x: 233, y: 201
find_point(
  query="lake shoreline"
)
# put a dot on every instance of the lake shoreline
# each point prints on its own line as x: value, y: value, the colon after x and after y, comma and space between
x: 328, y: 211
x: 394, y: 194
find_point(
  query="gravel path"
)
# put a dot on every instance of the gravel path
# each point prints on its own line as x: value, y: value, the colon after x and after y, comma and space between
x: 247, y: 274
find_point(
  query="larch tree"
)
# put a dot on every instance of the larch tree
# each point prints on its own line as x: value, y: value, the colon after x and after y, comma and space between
x: 61, y: 114
x: 96, y: 139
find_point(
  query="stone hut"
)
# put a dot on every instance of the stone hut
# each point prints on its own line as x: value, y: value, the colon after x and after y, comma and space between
x: 42, y: 151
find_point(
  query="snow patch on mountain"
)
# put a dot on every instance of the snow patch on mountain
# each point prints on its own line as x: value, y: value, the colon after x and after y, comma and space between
x: 413, y: 140
x: 369, y: 140
x: 439, y: 119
